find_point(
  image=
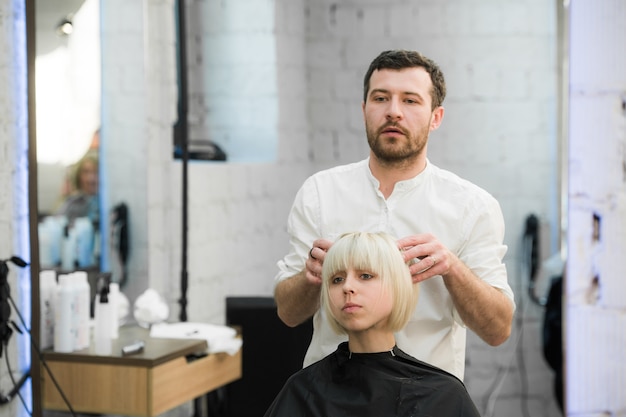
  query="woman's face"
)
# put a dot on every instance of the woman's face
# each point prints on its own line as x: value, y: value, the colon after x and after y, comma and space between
x: 88, y: 178
x: 358, y: 300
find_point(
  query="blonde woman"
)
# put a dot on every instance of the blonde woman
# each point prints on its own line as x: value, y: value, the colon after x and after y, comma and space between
x: 368, y: 294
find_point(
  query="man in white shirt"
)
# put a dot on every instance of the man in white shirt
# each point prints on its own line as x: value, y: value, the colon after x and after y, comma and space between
x: 451, y: 229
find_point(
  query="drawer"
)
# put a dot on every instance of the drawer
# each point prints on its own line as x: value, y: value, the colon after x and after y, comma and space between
x: 136, y: 390
x: 97, y: 388
x: 180, y: 380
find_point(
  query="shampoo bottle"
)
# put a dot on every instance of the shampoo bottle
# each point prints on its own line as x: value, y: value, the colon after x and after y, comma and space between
x: 114, y: 297
x: 63, y: 323
x: 68, y: 249
x: 83, y: 305
x: 104, y: 315
x: 47, y: 298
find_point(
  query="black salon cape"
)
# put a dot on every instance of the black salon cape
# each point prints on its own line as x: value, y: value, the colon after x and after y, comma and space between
x: 372, y: 384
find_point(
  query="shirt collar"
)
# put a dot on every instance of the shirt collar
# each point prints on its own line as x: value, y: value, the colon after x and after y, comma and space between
x: 404, y: 185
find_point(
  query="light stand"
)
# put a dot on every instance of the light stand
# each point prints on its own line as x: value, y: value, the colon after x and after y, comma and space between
x: 5, y: 307
x: 5, y: 310
x: 5, y: 313
x: 16, y: 388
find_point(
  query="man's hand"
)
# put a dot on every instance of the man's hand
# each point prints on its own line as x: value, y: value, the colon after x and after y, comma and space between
x: 426, y: 255
x: 483, y: 308
x: 298, y: 297
x: 313, y: 265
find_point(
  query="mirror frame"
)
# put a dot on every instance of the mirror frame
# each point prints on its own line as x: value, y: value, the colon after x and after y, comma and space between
x: 33, y: 204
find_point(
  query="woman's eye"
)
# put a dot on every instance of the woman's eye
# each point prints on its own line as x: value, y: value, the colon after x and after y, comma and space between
x: 337, y: 280
x: 366, y: 276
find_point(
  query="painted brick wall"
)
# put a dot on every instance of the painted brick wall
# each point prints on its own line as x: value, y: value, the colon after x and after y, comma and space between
x: 596, y: 309
x: 139, y: 111
x: 14, y: 189
x: 238, y: 210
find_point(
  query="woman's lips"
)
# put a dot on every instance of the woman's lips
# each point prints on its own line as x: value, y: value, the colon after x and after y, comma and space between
x: 350, y: 307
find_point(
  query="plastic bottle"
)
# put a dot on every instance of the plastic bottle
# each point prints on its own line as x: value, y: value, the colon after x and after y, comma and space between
x: 45, y: 245
x: 84, y: 241
x: 83, y: 295
x: 114, y: 298
x: 57, y: 226
x: 47, y: 298
x: 104, y: 315
x: 63, y: 323
x: 68, y: 249
x: 50, y: 240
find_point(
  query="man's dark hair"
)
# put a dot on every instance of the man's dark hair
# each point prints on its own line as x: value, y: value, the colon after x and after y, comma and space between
x: 401, y: 59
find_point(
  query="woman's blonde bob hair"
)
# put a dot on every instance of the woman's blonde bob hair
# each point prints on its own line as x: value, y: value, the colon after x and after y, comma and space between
x: 377, y: 253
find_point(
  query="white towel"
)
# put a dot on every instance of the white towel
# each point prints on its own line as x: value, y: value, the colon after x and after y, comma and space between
x: 219, y: 338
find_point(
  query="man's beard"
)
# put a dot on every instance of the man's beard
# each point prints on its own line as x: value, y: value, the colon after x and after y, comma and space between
x: 394, y: 151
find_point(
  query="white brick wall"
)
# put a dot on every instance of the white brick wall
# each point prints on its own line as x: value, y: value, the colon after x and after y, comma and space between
x: 124, y: 132
x: 14, y: 188
x: 596, y: 308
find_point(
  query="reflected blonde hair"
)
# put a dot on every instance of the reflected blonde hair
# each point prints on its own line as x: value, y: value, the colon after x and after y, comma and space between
x: 377, y: 253
x: 78, y: 168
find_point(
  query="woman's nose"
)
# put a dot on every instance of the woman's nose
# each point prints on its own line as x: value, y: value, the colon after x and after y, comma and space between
x: 348, y: 284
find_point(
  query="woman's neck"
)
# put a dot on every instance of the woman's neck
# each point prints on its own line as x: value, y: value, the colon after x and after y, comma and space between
x: 371, y: 341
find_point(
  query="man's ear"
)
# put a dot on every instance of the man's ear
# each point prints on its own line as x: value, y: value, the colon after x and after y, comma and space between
x: 436, y: 118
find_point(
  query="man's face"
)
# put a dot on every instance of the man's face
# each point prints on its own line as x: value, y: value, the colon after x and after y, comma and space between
x: 398, y: 114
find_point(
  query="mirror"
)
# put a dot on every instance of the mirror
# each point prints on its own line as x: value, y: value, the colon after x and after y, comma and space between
x: 68, y: 94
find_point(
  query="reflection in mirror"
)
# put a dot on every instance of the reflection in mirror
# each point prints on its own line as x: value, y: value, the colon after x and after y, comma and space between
x: 68, y: 121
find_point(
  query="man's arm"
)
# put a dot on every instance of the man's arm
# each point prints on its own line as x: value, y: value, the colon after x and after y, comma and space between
x: 298, y: 297
x: 483, y: 308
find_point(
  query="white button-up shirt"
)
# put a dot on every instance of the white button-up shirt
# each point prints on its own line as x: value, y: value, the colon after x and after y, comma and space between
x: 464, y: 217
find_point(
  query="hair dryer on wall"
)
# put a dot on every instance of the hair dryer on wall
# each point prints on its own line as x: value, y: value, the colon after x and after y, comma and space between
x: 531, y: 242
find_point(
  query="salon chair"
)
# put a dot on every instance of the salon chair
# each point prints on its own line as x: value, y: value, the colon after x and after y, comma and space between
x: 271, y: 353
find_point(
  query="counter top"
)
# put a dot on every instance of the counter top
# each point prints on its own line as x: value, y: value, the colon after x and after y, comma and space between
x: 155, y: 352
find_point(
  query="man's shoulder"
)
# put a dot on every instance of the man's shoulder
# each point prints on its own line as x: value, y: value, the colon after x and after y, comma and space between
x: 339, y: 170
x: 339, y: 174
x: 457, y: 184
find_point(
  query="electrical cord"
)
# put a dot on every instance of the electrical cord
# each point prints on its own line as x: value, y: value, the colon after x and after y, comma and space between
x: 504, y: 371
x: 6, y: 398
x: 526, y: 267
x: 528, y: 249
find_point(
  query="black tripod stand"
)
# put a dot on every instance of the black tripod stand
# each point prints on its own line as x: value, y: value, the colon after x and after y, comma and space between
x: 5, y: 313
